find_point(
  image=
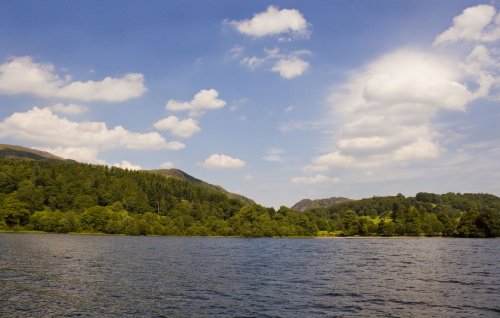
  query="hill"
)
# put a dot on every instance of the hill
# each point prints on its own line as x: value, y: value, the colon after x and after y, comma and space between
x: 65, y: 196
x: 19, y: 152
x: 179, y: 174
x: 307, y: 204
x: 40, y: 192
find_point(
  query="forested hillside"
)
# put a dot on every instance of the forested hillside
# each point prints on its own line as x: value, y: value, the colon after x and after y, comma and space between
x: 451, y: 214
x: 61, y: 196
x: 65, y: 196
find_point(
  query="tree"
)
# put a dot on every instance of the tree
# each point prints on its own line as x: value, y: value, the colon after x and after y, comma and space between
x: 96, y: 218
x: 431, y: 225
x: 386, y: 228
x: 409, y: 222
x: 467, y: 227
x: 14, y: 212
x: 350, y: 222
x: 449, y: 224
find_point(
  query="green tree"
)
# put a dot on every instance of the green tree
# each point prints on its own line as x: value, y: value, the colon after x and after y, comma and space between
x: 14, y: 212
x: 468, y: 225
x: 96, y: 218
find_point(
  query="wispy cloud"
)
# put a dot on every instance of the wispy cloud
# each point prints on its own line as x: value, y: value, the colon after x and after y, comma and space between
x: 274, y: 155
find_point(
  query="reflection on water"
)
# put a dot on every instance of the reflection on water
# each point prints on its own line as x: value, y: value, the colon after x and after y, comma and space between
x: 78, y: 275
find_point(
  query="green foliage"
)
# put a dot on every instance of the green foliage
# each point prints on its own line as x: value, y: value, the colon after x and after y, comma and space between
x: 62, y: 196
x: 425, y: 214
x: 14, y: 213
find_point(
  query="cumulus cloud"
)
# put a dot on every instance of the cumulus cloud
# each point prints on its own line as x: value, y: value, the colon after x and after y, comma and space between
x: 316, y: 179
x: 127, y: 165
x: 206, y: 99
x: 223, y: 162
x: 167, y: 165
x: 70, y: 109
x: 385, y: 109
x: 21, y: 75
x: 471, y: 25
x: 77, y: 140
x: 182, y: 128
x: 273, y: 22
x: 290, y: 67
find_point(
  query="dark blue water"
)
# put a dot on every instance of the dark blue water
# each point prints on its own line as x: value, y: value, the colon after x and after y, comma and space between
x: 112, y: 276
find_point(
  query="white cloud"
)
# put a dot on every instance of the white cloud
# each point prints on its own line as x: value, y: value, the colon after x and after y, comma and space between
x: 470, y: 25
x: 21, y: 75
x: 77, y: 140
x: 385, y: 109
x: 181, y: 128
x: 316, y: 179
x: 290, y: 68
x: 273, y: 22
x: 206, y: 99
x: 288, y: 65
x: 167, y: 165
x: 127, y: 165
x: 248, y: 177
x: 274, y: 155
x: 70, y: 109
x: 223, y: 162
x: 82, y: 154
x: 289, y: 109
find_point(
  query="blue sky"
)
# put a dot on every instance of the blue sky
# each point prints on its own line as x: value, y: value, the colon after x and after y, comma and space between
x: 278, y: 100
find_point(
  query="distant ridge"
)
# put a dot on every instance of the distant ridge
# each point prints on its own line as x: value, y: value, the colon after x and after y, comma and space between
x: 307, y: 204
x: 179, y: 174
x: 19, y: 152
x: 175, y: 173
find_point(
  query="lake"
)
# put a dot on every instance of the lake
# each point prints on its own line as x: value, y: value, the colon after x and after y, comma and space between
x: 50, y: 275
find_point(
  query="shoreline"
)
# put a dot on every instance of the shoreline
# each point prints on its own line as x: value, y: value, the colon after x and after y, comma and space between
x: 240, y: 237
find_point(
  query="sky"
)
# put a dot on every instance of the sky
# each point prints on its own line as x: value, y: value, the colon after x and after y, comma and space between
x: 275, y: 100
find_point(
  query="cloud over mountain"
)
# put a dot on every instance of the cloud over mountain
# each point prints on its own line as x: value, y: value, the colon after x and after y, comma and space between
x: 77, y: 140
x: 221, y: 161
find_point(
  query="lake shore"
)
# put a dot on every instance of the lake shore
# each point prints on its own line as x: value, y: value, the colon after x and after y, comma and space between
x: 232, y: 236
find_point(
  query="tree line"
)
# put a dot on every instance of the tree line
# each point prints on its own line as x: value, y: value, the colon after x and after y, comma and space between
x: 62, y: 197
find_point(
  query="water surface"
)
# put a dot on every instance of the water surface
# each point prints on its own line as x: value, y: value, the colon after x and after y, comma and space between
x: 45, y: 275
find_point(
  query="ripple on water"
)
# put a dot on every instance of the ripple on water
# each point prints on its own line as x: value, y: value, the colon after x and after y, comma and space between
x: 88, y: 276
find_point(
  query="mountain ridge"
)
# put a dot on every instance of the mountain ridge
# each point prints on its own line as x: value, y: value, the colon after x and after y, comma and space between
x: 306, y: 204
x: 21, y: 152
